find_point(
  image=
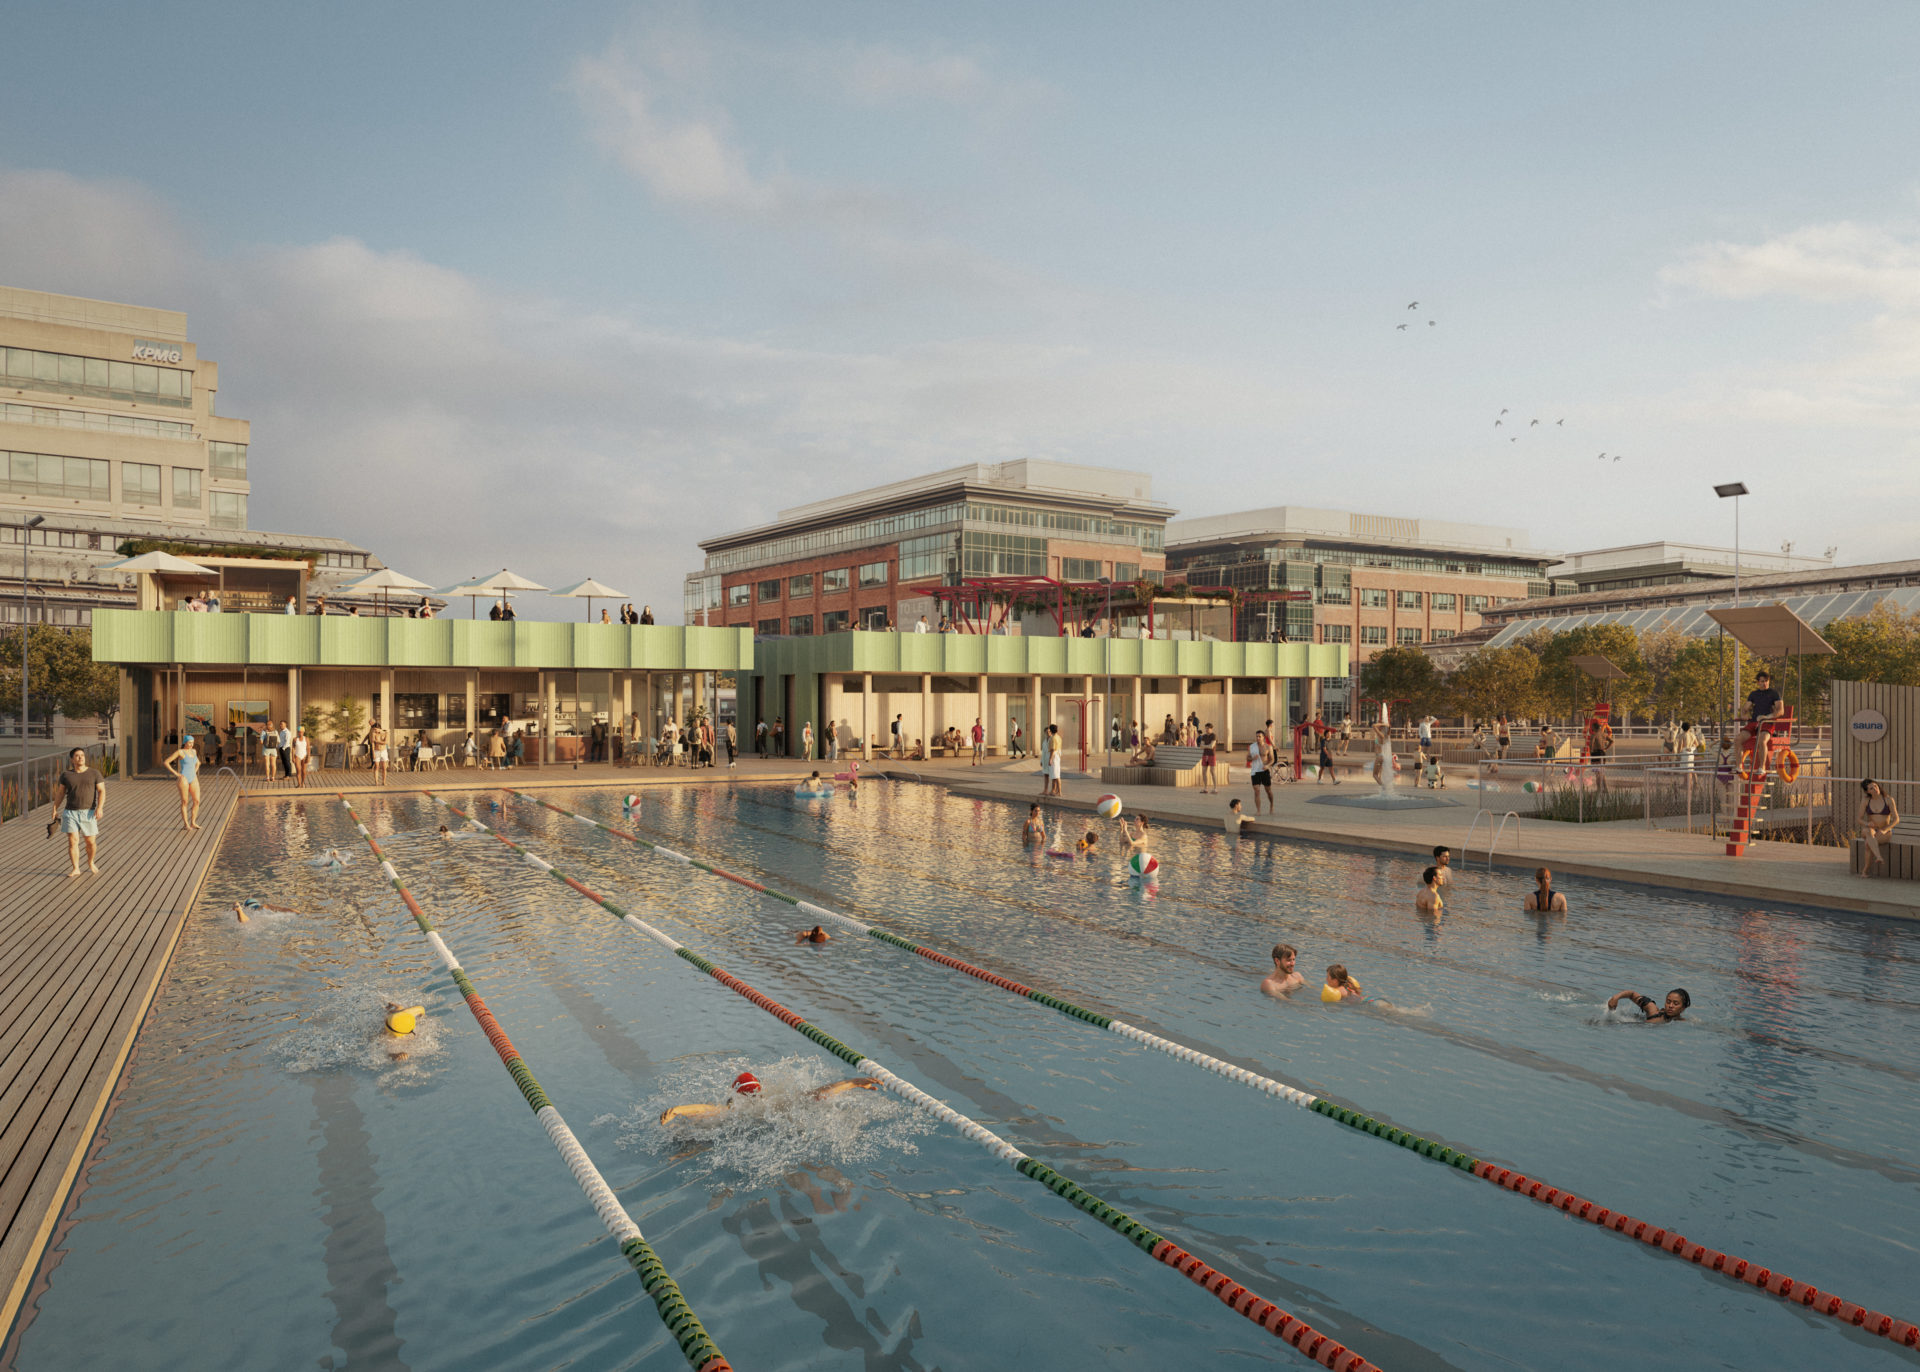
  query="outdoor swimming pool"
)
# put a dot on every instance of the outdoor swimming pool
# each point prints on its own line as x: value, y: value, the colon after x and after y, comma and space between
x: 275, y: 1191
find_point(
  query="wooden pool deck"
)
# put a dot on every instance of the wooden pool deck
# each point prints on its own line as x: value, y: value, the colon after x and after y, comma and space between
x: 80, y: 961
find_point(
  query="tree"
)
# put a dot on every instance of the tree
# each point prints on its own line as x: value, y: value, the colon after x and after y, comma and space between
x: 1495, y: 682
x: 64, y: 676
x: 1660, y: 648
x: 1404, y: 674
x: 1562, y: 684
x: 345, y: 720
x: 1700, y: 683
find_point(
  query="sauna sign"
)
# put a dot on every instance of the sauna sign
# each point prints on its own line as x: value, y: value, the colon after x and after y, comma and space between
x: 1868, y: 726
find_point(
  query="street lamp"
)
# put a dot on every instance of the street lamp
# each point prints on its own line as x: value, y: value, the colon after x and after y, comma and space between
x: 25, y: 742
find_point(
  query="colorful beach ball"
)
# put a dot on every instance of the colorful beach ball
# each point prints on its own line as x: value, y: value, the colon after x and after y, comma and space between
x: 1143, y: 864
x: 1311, y: 770
x: 1107, y: 807
x: 631, y: 801
x: 1529, y: 786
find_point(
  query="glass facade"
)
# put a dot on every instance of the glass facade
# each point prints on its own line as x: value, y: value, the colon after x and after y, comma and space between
x: 228, y: 460
x: 1336, y: 595
x: 930, y: 555
x: 48, y: 476
x: 1080, y: 569
x: 139, y: 483
x: 186, y: 488
x: 89, y: 419
x: 30, y: 370
x: 228, y: 510
x: 699, y: 598
x: 994, y: 554
x: 1359, y: 557
x: 1126, y: 571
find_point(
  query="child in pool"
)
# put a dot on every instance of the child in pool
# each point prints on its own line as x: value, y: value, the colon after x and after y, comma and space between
x: 1090, y: 845
x: 1339, y: 986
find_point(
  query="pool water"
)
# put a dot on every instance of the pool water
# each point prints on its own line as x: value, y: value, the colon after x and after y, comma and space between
x: 276, y: 1190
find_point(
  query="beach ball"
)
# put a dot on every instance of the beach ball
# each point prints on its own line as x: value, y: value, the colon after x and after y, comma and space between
x: 1107, y: 807
x: 1311, y: 770
x: 631, y: 801
x: 1529, y: 786
x: 401, y: 1021
x: 1143, y: 864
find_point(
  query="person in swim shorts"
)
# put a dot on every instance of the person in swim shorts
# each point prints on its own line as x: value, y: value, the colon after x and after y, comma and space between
x: 82, y: 801
x: 1283, y: 980
x: 746, y: 1084
x: 1339, y: 986
x: 1260, y: 771
x: 1676, y: 1006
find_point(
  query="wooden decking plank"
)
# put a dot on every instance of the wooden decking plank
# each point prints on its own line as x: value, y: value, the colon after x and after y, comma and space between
x: 83, y: 958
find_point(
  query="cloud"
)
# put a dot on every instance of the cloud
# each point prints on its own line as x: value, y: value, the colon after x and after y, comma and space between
x: 453, y: 426
x: 685, y: 161
x: 1826, y: 263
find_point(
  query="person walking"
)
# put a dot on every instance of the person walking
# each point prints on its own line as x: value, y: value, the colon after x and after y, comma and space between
x: 898, y: 751
x: 806, y: 740
x: 81, y: 800
x: 830, y: 735
x: 184, y: 763
x: 733, y: 740
x: 269, y: 750
x: 979, y: 742
x: 1346, y: 735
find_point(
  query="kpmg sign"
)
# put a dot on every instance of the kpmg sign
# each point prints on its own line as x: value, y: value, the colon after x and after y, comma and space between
x: 143, y: 351
x: 1868, y: 726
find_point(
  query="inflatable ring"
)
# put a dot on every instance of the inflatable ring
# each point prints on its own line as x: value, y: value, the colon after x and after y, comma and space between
x: 1789, y: 766
x: 1745, y: 768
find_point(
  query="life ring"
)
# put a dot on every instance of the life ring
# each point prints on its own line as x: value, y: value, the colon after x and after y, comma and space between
x: 1789, y: 766
x: 1745, y: 770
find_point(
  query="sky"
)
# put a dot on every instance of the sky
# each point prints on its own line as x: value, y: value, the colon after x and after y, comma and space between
x: 566, y: 289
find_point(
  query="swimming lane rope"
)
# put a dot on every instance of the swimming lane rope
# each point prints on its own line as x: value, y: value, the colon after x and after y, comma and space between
x: 1236, y: 1297
x: 1901, y: 1332
x: 702, y: 1354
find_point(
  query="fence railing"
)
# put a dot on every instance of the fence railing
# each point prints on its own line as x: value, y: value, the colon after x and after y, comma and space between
x: 28, y: 786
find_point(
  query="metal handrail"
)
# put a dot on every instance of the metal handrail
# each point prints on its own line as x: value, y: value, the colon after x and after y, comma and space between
x: 1513, y: 815
x: 1466, y: 848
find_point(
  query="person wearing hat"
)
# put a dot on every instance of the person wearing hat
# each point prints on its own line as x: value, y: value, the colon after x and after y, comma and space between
x: 747, y: 1084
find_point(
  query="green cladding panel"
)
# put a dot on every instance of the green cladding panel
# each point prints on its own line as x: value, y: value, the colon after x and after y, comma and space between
x: 236, y: 640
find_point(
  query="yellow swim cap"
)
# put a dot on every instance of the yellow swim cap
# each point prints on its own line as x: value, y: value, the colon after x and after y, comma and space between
x: 401, y: 1021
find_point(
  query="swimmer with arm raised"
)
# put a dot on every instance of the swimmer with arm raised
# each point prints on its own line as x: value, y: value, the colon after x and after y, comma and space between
x: 240, y: 908
x: 1677, y: 1003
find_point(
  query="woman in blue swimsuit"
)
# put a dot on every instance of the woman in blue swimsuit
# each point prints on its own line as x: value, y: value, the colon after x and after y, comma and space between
x: 187, y: 773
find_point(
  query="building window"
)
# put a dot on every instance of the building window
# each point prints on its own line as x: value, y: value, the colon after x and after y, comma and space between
x: 413, y: 710
x: 228, y: 460
x: 997, y: 554
x: 739, y: 595
x: 799, y: 624
x: 833, y: 621
x: 1406, y: 637
x: 874, y: 617
x: 1126, y: 571
x: 1373, y: 600
x: 1442, y: 635
x: 836, y: 580
x: 1336, y: 633
x: 16, y: 413
x: 1476, y: 602
x: 1443, y: 600
x: 186, y: 488
x: 139, y: 483
x: 873, y: 573
x: 1079, y: 569
x: 228, y: 510
x: 493, y: 708
x: 45, y: 475
x: 769, y: 590
x: 800, y: 587
x: 768, y: 628
x: 28, y: 369
x: 700, y: 595
x: 929, y: 555
x: 1407, y: 600
x: 1373, y: 633
x: 1336, y: 595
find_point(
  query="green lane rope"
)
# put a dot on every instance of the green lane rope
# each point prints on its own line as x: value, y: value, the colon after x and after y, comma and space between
x: 1238, y: 1298
x: 1900, y: 1331
x: 702, y: 1354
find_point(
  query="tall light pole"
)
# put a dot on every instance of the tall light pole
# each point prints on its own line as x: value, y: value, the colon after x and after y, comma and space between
x: 1734, y: 490
x: 25, y: 742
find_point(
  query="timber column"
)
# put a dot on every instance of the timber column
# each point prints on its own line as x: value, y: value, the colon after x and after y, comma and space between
x: 866, y: 716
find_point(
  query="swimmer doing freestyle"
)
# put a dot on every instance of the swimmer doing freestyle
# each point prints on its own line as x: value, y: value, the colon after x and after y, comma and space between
x: 813, y: 935
x: 1675, y: 1008
x: 746, y: 1084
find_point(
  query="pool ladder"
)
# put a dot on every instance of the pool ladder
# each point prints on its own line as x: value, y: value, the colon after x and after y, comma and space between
x: 1494, y: 833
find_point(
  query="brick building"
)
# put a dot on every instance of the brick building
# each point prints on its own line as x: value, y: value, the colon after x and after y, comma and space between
x: 870, y: 559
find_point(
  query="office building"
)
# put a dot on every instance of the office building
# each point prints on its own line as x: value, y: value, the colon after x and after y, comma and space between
x: 869, y: 559
x: 1670, y: 564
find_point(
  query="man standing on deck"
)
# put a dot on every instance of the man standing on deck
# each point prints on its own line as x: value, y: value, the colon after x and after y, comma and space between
x: 979, y: 742
x: 83, y: 799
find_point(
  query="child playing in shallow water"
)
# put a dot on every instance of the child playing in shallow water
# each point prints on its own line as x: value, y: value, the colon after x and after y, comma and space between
x: 1339, y: 985
x: 1091, y: 843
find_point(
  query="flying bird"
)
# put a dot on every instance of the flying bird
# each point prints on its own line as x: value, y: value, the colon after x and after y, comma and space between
x: 1616, y: 457
x: 1401, y: 327
x: 1503, y: 412
x: 1514, y: 439
x: 1432, y: 322
x: 1602, y: 457
x: 1498, y: 422
x: 1559, y: 421
x: 1414, y: 306
x: 1534, y: 425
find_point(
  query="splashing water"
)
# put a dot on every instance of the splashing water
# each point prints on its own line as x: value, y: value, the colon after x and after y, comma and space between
x: 763, y: 1138
x: 348, y: 1031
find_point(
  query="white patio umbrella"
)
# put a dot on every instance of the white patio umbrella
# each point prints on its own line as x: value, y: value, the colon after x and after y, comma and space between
x: 158, y: 561
x: 385, y: 580
x: 501, y: 583
x: 592, y: 590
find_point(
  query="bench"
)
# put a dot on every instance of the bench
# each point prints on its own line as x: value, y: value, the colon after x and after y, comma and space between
x: 1174, y: 765
x: 1901, y: 850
